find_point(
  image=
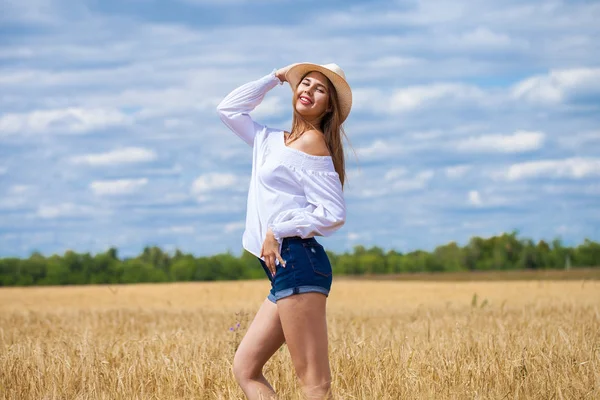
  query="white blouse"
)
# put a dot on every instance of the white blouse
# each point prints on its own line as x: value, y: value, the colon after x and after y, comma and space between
x: 292, y: 192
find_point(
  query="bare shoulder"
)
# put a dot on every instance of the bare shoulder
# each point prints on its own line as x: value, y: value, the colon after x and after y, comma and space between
x: 312, y: 142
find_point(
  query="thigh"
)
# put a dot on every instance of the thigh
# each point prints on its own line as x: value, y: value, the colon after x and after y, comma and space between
x: 304, y: 323
x: 263, y: 338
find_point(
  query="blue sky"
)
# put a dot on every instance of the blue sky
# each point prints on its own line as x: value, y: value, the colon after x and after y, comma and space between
x: 469, y: 118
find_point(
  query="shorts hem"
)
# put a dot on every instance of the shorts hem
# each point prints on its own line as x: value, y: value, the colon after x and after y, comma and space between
x: 297, y: 290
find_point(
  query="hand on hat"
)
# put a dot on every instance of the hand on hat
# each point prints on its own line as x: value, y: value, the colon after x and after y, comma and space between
x: 282, y: 71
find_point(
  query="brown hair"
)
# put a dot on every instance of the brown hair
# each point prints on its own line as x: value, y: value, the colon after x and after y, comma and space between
x: 330, y: 125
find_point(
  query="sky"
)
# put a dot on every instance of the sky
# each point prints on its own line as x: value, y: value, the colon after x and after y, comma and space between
x: 470, y: 118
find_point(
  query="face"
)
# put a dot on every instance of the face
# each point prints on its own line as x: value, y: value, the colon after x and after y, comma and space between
x: 312, y: 96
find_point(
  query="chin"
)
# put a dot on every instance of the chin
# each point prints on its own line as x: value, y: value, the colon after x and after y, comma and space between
x: 304, y: 113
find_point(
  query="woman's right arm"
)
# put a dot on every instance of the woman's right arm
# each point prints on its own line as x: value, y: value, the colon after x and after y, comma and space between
x: 235, y: 109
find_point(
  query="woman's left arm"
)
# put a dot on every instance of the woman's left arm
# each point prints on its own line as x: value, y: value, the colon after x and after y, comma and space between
x: 325, y: 214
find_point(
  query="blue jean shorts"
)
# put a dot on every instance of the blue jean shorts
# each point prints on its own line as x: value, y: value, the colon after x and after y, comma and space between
x: 307, y: 269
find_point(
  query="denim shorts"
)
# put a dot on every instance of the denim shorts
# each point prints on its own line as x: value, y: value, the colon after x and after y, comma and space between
x: 307, y: 269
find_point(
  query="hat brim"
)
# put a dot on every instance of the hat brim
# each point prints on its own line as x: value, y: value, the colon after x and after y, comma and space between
x: 344, y: 93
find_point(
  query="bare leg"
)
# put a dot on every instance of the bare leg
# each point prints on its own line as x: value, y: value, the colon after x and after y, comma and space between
x: 261, y: 341
x: 305, y: 327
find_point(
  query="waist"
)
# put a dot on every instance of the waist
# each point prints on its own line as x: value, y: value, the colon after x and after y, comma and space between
x: 298, y: 239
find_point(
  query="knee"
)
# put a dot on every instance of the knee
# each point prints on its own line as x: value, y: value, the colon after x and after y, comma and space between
x: 239, y: 370
x: 242, y: 369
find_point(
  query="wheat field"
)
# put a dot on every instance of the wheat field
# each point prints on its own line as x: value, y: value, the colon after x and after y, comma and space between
x: 388, y: 340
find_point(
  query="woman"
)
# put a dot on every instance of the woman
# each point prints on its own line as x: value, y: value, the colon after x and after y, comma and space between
x: 295, y: 194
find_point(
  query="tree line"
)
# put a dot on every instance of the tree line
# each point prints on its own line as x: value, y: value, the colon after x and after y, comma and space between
x: 504, y: 252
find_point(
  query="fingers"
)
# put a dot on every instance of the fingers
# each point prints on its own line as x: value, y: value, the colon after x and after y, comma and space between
x: 281, y: 260
x: 271, y: 256
x: 271, y: 264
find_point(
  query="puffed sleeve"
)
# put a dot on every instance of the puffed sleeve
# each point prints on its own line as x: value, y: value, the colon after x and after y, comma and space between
x: 325, y: 214
x: 235, y: 108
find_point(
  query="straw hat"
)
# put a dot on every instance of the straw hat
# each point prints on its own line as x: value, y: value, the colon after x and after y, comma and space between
x: 334, y: 73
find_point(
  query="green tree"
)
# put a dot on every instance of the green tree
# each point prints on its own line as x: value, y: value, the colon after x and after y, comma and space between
x: 588, y: 254
x: 505, y: 251
x: 543, y: 255
x: 157, y: 258
x: 183, y: 269
x: 77, y: 269
x: 529, y: 257
x: 448, y: 258
x: 57, y: 272
x: 138, y: 271
x: 393, y: 262
x: 33, y: 270
x: 10, y: 270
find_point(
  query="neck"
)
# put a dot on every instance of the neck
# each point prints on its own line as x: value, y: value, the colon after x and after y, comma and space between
x: 307, y: 124
x: 315, y: 122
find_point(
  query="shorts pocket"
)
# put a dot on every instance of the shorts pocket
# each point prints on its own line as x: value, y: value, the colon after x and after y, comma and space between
x: 318, y: 258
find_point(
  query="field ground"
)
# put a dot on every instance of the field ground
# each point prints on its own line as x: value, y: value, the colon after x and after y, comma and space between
x: 388, y: 340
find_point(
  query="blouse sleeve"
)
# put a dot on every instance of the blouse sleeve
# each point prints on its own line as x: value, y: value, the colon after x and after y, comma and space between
x: 235, y: 108
x: 325, y: 214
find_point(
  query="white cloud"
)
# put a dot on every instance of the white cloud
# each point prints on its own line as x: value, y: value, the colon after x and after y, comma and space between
x: 178, y: 229
x: 395, y: 173
x: 353, y: 236
x: 562, y: 188
x: 18, y: 196
x: 369, y: 99
x: 3, y: 170
x: 457, y: 171
x: 485, y: 37
x: 368, y: 193
x: 558, y: 85
x: 579, y: 140
x: 475, y: 198
x: 67, y: 120
x: 10, y: 202
x: 32, y: 11
x: 234, y: 227
x: 518, y: 142
x: 393, y: 62
x: 415, y: 97
x: 207, y: 183
x: 272, y: 106
x: 421, y: 14
x: 126, y: 155
x: 567, y: 168
x: 64, y: 210
x: 394, y: 181
x: 379, y: 149
x: 117, y: 187
x: 20, y: 189
x: 228, y: 2
x: 420, y: 181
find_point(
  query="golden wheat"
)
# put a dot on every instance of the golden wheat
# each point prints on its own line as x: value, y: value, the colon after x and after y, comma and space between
x: 388, y: 340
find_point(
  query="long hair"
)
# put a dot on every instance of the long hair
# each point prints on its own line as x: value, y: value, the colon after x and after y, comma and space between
x: 330, y: 125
